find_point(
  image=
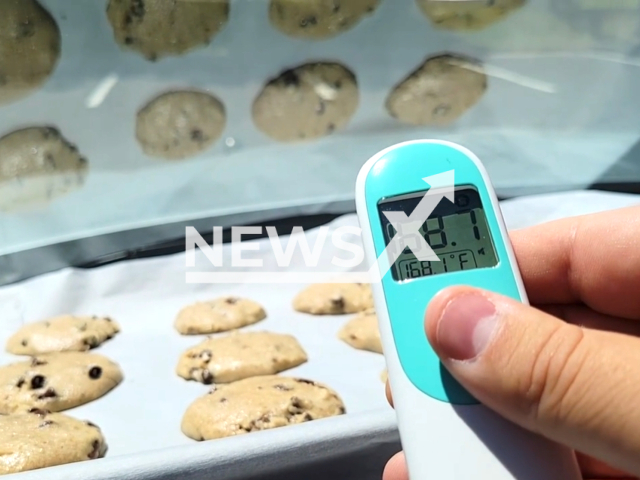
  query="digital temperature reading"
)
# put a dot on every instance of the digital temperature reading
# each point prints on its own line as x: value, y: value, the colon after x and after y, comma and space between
x: 457, y: 232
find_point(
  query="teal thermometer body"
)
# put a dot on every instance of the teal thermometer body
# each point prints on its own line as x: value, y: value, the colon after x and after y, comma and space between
x: 443, y: 195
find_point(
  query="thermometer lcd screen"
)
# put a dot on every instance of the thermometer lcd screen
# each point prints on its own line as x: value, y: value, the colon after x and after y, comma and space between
x: 457, y: 232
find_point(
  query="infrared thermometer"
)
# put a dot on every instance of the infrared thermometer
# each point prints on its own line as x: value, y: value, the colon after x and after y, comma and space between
x: 439, y: 194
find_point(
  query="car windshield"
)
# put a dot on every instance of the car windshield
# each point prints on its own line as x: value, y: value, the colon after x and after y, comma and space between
x: 131, y: 116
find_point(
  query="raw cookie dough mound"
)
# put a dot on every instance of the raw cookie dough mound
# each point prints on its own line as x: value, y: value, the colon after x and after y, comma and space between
x: 307, y: 102
x: 362, y: 332
x: 29, y: 48
x: 37, y: 165
x: 56, y: 381
x: 177, y: 125
x: 240, y: 355
x: 438, y: 93
x: 39, y: 439
x: 161, y: 28
x: 219, y: 315
x: 62, y: 334
x: 318, y: 19
x: 334, y: 299
x: 467, y: 16
x: 259, y: 403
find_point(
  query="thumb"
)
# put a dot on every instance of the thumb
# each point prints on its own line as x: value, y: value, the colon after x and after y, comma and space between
x: 575, y: 386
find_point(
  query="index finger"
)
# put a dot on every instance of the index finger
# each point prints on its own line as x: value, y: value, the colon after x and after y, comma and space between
x: 591, y: 259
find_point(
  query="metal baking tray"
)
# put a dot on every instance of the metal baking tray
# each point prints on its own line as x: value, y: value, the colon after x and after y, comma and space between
x: 141, y: 417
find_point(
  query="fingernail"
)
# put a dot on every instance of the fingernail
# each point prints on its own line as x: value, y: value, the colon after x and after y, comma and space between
x: 466, y: 326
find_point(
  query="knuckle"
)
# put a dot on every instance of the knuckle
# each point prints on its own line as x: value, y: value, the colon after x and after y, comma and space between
x: 554, y: 374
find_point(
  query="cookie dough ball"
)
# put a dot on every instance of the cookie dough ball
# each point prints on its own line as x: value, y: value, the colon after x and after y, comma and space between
x: 29, y: 48
x: 65, y: 333
x: 438, y: 93
x: 362, y: 332
x: 38, y: 165
x: 161, y: 28
x: 467, y: 16
x: 307, y: 102
x: 240, y: 355
x: 334, y: 299
x: 219, y: 315
x: 318, y: 19
x: 181, y: 124
x: 56, y: 381
x: 259, y: 403
x: 38, y: 439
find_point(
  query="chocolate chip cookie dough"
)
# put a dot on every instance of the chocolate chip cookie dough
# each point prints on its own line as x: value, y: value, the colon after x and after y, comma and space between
x: 240, y: 355
x: 318, y: 19
x: 362, y: 332
x: 62, y: 333
x: 439, y: 92
x: 219, y: 315
x: 259, y: 403
x: 38, y: 165
x: 161, y: 28
x: 467, y: 16
x: 56, y: 381
x: 307, y: 102
x: 180, y: 124
x: 334, y: 299
x: 38, y: 439
x: 29, y: 48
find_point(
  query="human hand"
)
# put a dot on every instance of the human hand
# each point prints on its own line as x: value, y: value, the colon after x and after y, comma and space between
x: 568, y: 369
